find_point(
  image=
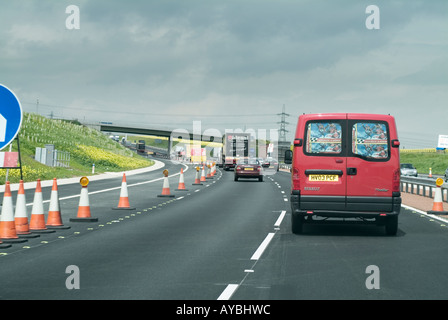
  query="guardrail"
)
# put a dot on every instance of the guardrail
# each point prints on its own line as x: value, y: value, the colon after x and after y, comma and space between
x: 422, y: 187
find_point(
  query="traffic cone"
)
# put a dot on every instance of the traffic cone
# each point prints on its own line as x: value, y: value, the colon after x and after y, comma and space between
x: 203, y: 175
x: 166, y: 186
x: 37, y: 221
x: 437, y: 207
x: 7, y: 225
x: 197, y: 180
x: 21, y: 216
x: 181, y: 186
x: 209, y: 173
x: 213, y: 169
x: 84, y: 214
x: 430, y: 173
x: 123, y: 203
x: 54, y: 219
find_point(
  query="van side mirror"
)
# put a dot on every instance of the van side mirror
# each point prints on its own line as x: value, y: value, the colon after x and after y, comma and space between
x: 288, y: 157
x: 395, y: 143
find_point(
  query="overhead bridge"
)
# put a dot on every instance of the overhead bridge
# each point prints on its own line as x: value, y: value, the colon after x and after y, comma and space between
x: 170, y: 134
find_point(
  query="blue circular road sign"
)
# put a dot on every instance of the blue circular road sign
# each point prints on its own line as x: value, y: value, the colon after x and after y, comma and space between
x: 11, y: 116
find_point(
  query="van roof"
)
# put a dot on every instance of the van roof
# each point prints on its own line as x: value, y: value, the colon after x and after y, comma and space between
x: 366, y: 116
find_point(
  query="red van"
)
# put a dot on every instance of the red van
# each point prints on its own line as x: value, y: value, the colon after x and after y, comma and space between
x: 345, y: 165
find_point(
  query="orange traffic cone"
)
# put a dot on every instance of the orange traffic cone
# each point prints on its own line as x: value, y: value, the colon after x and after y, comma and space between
x: 7, y: 225
x: 209, y: 172
x: 37, y: 221
x: 197, y: 180
x: 181, y: 186
x: 203, y: 175
x: 54, y: 219
x: 430, y: 173
x: 84, y: 214
x: 166, y: 186
x: 21, y: 216
x: 123, y: 203
x: 437, y: 207
x: 213, y: 169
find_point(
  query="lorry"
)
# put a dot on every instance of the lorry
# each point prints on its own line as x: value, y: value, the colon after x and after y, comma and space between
x: 235, y: 147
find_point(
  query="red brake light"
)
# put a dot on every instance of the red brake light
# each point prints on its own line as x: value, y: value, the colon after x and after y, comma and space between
x: 295, y: 179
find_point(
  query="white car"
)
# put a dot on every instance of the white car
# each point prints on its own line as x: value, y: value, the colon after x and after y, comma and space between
x: 408, y: 169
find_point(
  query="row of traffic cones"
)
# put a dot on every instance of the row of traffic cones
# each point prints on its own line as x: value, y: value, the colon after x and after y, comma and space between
x: 14, y: 226
x: 181, y: 187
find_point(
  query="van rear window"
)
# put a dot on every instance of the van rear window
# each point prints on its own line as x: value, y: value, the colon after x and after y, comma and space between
x: 324, y: 138
x: 370, y: 140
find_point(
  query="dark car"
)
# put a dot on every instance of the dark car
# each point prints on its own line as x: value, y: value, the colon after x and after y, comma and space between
x: 271, y: 163
x: 248, y: 168
x: 446, y: 175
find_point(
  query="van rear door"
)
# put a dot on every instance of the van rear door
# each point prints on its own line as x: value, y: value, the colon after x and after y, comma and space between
x: 323, y: 178
x: 369, y: 166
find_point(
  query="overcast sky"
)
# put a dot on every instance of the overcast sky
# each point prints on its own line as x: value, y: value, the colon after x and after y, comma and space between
x: 229, y: 64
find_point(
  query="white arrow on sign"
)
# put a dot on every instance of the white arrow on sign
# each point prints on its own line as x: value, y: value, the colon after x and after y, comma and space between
x: 2, y: 128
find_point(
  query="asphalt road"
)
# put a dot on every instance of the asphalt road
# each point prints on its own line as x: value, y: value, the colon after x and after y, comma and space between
x: 222, y: 240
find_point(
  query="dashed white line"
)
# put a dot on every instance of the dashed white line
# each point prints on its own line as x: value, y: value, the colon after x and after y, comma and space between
x: 228, y: 292
x: 280, y: 219
x: 262, y: 246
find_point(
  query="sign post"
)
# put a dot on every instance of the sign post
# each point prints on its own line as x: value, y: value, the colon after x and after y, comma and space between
x: 11, y: 116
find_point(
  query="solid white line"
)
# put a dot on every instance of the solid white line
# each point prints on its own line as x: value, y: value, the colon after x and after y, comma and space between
x: 228, y: 292
x: 280, y: 219
x: 262, y: 247
x: 424, y: 213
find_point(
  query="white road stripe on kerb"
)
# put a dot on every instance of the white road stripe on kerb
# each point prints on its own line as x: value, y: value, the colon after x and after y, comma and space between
x: 228, y: 292
x: 262, y: 246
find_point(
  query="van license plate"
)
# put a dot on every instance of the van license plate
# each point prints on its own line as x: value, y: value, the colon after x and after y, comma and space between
x: 323, y: 177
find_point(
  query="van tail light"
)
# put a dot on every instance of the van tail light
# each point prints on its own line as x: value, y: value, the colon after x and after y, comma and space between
x: 295, y: 179
x: 396, y: 181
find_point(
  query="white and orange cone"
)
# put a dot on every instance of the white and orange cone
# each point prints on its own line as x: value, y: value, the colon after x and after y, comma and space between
x: 437, y: 207
x: 7, y: 224
x: 123, y: 202
x: 54, y: 219
x: 181, y: 186
x: 197, y: 180
x: 84, y: 214
x: 21, y: 215
x: 203, y: 175
x: 166, y: 186
x: 37, y: 220
x: 209, y: 172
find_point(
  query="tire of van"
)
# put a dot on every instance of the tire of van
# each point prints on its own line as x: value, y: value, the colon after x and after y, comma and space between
x: 296, y: 223
x: 391, y: 225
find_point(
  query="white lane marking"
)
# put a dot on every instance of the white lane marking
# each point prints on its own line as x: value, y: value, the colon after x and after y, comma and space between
x: 228, y: 292
x: 280, y: 219
x: 424, y: 213
x: 262, y: 247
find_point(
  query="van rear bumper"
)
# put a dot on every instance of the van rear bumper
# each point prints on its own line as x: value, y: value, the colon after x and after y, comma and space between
x: 344, y: 207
